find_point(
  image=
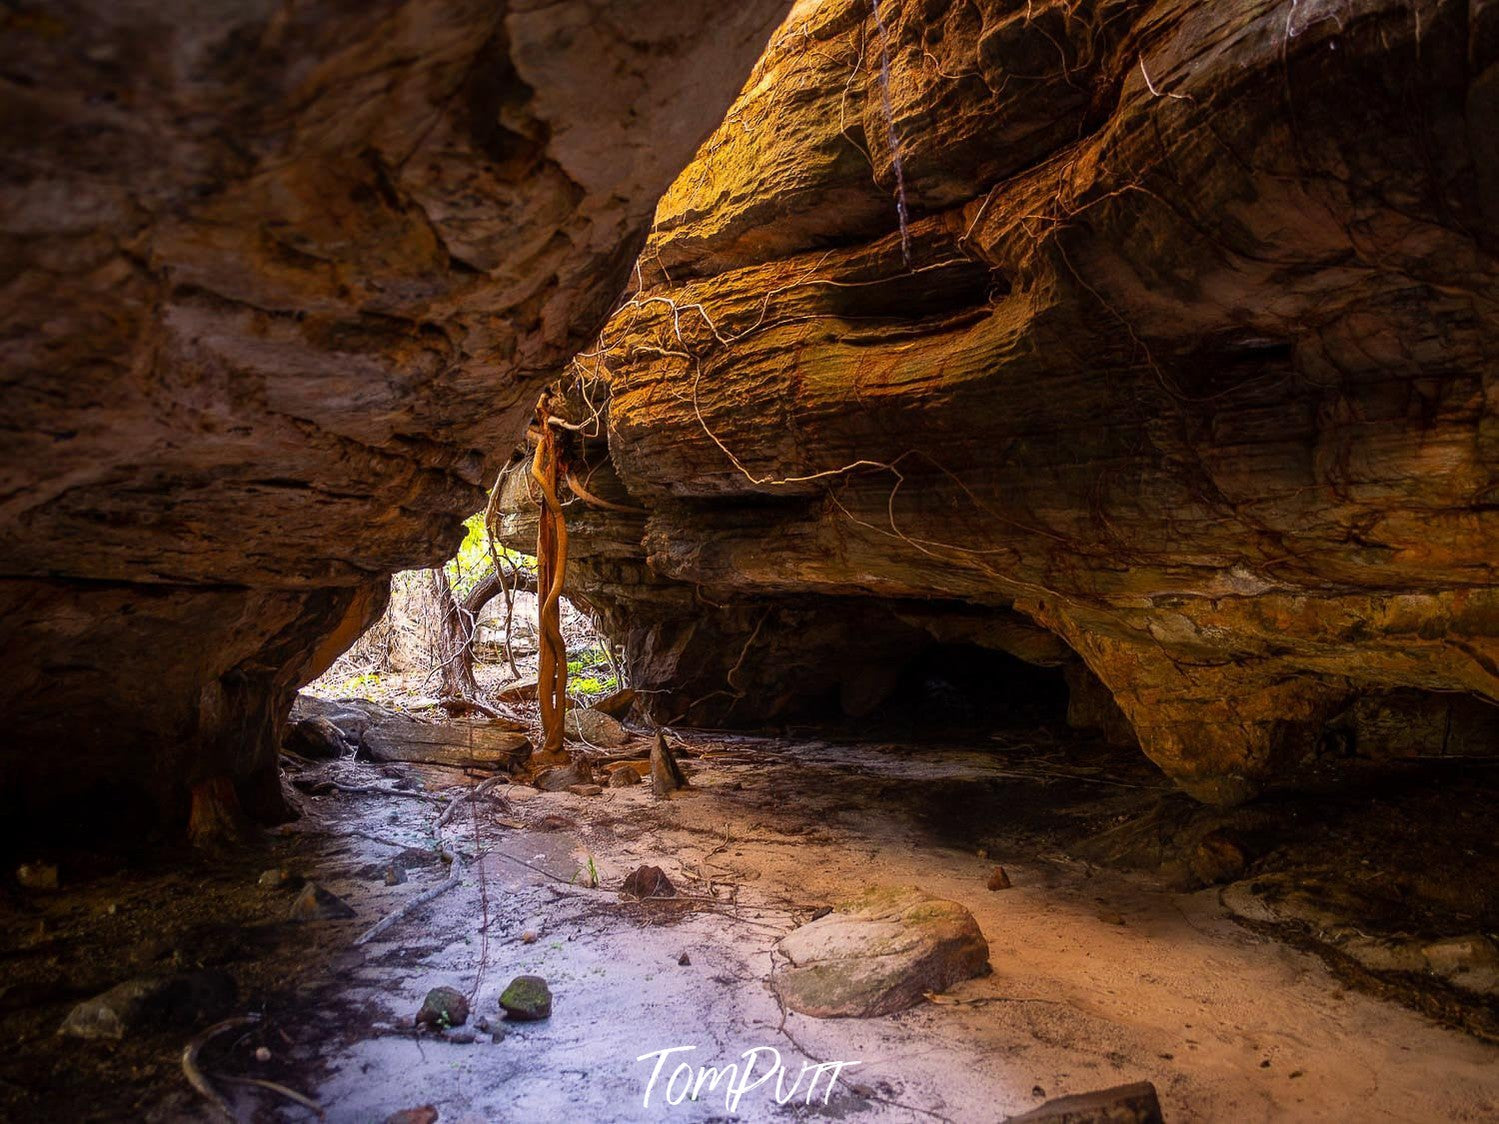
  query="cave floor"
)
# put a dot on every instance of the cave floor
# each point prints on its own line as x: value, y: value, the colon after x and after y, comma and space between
x: 1100, y: 977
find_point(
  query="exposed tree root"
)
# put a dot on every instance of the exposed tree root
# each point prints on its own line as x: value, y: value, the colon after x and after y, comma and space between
x: 196, y: 1077
x: 551, y: 566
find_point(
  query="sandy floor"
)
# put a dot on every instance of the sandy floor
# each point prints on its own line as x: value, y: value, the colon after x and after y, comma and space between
x: 1099, y: 978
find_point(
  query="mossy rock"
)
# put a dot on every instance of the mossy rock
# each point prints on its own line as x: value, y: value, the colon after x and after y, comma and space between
x: 527, y: 999
x: 443, y: 1007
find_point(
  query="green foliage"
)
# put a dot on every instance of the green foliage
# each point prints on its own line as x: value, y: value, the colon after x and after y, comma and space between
x: 590, y: 675
x: 474, y: 562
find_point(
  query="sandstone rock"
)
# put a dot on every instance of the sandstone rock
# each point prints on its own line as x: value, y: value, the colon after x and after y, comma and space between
x: 442, y: 1008
x: 879, y: 954
x: 150, y: 1003
x: 317, y: 904
x: 666, y: 774
x: 618, y: 704
x: 585, y: 789
x: 563, y: 777
x: 1163, y: 424
x: 282, y: 290
x: 624, y: 777
x: 999, y: 880
x: 524, y: 691
x: 595, y: 728
x: 527, y: 999
x: 1123, y: 1104
x: 461, y: 745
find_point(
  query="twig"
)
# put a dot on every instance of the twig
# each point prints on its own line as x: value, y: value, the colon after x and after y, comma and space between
x: 196, y: 1077
x: 471, y: 794
x: 455, y: 875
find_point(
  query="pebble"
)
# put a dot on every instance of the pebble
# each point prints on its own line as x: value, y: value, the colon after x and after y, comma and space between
x: 585, y: 789
x: 529, y: 936
x: 684, y: 960
x: 999, y: 880
x: 395, y: 874
x: 623, y: 777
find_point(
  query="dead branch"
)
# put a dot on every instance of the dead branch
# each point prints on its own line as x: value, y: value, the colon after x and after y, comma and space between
x: 455, y: 875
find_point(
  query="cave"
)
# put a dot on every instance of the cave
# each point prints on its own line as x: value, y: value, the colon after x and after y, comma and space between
x: 879, y: 559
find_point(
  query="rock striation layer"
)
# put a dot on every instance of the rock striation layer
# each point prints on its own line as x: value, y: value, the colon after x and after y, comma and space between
x: 275, y: 281
x: 1157, y: 336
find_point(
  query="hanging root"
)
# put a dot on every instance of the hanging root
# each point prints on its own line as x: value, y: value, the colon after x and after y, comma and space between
x: 551, y: 566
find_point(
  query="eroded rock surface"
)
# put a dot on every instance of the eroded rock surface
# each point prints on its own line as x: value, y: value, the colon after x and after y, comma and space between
x: 275, y: 284
x: 1190, y: 369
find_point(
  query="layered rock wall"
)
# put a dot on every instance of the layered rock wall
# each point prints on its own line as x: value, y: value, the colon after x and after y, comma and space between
x: 276, y: 281
x: 1185, y: 354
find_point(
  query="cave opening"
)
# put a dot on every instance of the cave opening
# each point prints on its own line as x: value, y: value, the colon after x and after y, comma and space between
x: 1023, y: 482
x: 950, y: 690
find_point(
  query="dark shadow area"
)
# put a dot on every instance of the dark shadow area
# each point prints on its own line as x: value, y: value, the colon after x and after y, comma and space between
x: 950, y: 690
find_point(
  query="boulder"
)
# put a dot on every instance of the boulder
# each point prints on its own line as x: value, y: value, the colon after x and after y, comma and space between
x: 880, y: 953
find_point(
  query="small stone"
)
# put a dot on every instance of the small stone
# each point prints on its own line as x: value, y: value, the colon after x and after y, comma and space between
x: 648, y: 882
x: 395, y: 873
x: 460, y: 1037
x: 1124, y: 1104
x: 1037, y: 1091
x: 821, y: 911
x: 1110, y: 917
x: 316, y: 904
x: 999, y: 880
x: 527, y: 999
x: 497, y: 1034
x: 424, y: 1115
x: 623, y: 777
x: 262, y: 1054
x: 444, y: 1007
x: 277, y: 878
x: 585, y: 789
x: 529, y: 936
x: 684, y: 960
x: 37, y: 876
